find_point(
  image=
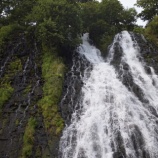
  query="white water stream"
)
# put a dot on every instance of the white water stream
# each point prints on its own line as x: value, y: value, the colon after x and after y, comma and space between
x: 113, y: 122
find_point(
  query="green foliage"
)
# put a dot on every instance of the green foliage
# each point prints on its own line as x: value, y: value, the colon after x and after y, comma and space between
x: 150, y: 9
x: 105, y: 42
x: 28, y: 138
x: 47, y: 32
x: 84, y: 1
x: 58, y: 21
x: 139, y: 29
x: 129, y: 18
x: 17, y: 10
x: 98, y: 30
x: 151, y: 31
x: 5, y: 32
x: 90, y: 13
x: 53, y: 73
x: 150, y: 13
x: 53, y: 22
x: 111, y: 11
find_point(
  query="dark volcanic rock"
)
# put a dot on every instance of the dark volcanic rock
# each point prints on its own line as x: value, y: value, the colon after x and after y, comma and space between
x: 27, y: 83
x: 72, y: 86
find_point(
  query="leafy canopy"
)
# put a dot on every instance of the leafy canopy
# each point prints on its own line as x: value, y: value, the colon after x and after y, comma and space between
x: 59, y: 23
x: 150, y: 9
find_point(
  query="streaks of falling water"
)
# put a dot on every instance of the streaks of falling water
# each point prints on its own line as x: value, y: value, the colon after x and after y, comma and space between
x: 29, y: 98
x: 3, y: 66
x: 24, y: 70
x: 113, y: 122
x: 30, y: 94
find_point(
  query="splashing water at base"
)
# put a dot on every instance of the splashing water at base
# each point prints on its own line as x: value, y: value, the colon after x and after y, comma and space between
x: 112, y: 122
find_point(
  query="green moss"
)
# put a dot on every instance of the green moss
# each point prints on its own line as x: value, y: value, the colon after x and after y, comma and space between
x: 4, y: 32
x: 5, y: 92
x: 27, y: 89
x: 151, y: 31
x: 4, y: 122
x: 12, y: 69
x: 104, y: 43
x: 6, y: 89
x: 139, y: 29
x: 7, y: 33
x: 53, y: 72
x: 38, y: 152
x: 15, y: 65
x: 28, y: 138
x: 17, y: 122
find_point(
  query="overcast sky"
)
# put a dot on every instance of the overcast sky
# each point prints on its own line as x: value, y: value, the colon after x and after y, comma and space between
x: 130, y: 4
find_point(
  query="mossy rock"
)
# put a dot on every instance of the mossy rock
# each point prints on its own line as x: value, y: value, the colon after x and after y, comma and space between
x: 53, y: 70
x: 28, y: 138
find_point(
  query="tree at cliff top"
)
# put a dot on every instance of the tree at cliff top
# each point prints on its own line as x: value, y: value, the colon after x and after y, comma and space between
x: 150, y: 9
x: 54, y: 22
x: 12, y: 11
x: 151, y: 31
x: 150, y: 13
x: 103, y: 20
x: 58, y: 23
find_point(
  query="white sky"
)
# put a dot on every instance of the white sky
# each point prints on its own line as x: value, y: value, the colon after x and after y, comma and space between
x: 130, y: 4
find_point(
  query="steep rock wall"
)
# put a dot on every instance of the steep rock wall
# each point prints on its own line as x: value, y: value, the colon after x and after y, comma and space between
x: 30, y: 87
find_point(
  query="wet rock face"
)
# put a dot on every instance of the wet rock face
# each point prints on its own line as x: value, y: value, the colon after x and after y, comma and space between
x: 20, y: 68
x: 72, y: 86
x: 148, y: 51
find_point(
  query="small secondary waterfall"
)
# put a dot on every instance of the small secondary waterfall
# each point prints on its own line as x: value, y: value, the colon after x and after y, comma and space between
x: 116, y: 115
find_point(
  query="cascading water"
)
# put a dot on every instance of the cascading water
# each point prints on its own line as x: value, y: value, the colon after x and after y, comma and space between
x: 111, y: 120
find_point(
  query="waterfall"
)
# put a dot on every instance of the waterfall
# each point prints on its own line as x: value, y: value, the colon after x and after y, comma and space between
x: 117, y: 112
